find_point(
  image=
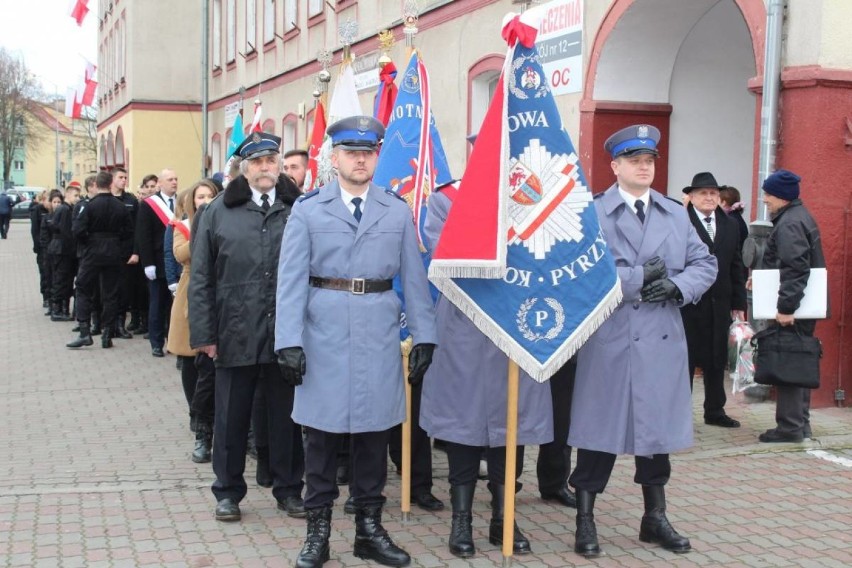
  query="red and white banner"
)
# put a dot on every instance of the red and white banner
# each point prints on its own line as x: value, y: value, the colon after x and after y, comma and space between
x: 317, y: 137
x: 158, y: 204
x: 73, y: 108
x: 78, y: 10
x: 255, y: 123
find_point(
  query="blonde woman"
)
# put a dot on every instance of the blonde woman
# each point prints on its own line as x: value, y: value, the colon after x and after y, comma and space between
x: 188, y: 203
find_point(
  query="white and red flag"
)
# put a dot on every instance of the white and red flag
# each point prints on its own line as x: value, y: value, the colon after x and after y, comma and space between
x: 73, y: 106
x: 255, y: 123
x: 78, y: 10
x: 522, y: 253
x: 317, y: 137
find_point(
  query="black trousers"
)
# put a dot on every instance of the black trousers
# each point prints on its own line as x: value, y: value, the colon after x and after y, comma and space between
x: 421, y: 448
x: 62, y: 277
x: 188, y: 379
x: 203, y: 403
x: 43, y: 274
x: 594, y: 468
x: 5, y: 219
x: 554, y: 459
x: 235, y: 388
x: 259, y: 412
x: 159, y: 308
x: 464, y: 464
x: 94, y: 281
x: 714, y: 388
x: 367, y: 476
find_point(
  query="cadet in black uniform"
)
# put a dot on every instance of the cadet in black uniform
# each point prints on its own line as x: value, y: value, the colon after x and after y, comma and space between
x: 104, y: 228
x: 60, y: 251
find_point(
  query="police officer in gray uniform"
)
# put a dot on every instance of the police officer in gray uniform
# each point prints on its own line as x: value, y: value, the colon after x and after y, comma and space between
x: 337, y: 334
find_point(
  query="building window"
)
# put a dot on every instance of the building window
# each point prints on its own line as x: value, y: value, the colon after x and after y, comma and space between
x: 289, y: 133
x: 483, y: 77
x: 216, y: 153
x: 315, y: 7
x: 291, y: 14
x: 231, y: 42
x: 217, y: 34
x: 251, y: 25
x: 268, y: 20
x: 19, y: 165
x: 268, y: 126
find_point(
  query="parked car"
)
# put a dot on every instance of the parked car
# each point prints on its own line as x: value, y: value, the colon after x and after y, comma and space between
x: 21, y: 210
x: 24, y: 192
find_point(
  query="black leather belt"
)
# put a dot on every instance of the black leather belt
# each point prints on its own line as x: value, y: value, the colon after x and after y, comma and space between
x: 354, y: 285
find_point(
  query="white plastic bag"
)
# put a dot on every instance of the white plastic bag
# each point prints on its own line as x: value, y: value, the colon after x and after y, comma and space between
x: 739, y: 341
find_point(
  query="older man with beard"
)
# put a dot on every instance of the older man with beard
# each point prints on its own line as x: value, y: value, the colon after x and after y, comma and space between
x: 232, y: 291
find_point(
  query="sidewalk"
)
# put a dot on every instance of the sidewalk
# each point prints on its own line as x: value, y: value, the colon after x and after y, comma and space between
x: 95, y: 472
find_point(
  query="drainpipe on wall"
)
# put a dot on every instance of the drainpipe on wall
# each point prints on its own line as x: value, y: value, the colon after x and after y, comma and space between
x: 205, y: 41
x: 771, y: 88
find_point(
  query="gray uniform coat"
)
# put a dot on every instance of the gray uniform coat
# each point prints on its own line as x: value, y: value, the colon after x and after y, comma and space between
x: 354, y: 379
x: 632, y: 394
x: 464, y: 392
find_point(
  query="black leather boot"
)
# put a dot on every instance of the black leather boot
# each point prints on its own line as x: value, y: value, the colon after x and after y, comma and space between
x: 134, y: 321
x: 120, y: 330
x: 586, y: 537
x: 315, y: 551
x: 59, y: 313
x: 655, y: 526
x: 66, y: 311
x: 372, y: 541
x: 461, y: 533
x: 520, y: 544
x: 263, y: 475
x: 96, y: 323
x: 106, y: 337
x: 84, y: 339
x: 203, y: 443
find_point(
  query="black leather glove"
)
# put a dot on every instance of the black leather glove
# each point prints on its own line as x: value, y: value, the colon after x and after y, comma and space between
x: 418, y: 362
x: 654, y: 269
x: 660, y: 291
x: 291, y: 360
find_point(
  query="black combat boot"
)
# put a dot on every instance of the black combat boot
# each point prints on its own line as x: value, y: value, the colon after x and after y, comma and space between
x: 58, y: 313
x: 133, y: 326
x: 203, y: 443
x: 520, y: 544
x: 96, y: 323
x: 373, y: 542
x: 461, y: 533
x: 586, y: 537
x: 315, y: 552
x: 84, y: 339
x: 263, y: 475
x: 120, y: 330
x: 66, y: 311
x: 106, y: 337
x: 655, y: 526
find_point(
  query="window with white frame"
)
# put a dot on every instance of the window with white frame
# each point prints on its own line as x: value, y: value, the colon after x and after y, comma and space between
x: 315, y: 7
x: 231, y: 42
x: 251, y: 25
x: 268, y: 20
x: 217, y: 34
x: 288, y: 134
x: 482, y: 91
x: 291, y: 14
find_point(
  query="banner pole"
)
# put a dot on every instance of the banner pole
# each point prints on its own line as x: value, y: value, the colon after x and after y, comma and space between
x: 405, y: 497
x: 511, y: 461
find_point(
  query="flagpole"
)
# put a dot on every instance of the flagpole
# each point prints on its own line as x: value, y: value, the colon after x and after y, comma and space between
x: 511, y: 463
x: 405, y: 497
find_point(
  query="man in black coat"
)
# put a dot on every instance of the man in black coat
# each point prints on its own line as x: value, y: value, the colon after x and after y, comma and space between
x: 794, y: 247
x: 154, y: 215
x: 232, y: 291
x: 102, y: 227
x: 707, y: 322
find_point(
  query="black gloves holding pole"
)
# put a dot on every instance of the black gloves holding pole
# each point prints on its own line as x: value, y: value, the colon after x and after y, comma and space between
x: 657, y: 287
x: 292, y: 362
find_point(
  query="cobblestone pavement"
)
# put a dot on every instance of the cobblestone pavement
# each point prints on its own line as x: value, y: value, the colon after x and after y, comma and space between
x: 95, y: 472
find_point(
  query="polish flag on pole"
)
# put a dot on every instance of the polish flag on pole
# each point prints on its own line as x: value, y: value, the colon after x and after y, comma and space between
x: 89, y: 85
x: 317, y: 137
x: 255, y: 123
x: 73, y: 107
x: 78, y: 10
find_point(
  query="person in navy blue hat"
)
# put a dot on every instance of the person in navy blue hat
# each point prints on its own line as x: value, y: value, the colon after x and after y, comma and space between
x: 794, y: 247
x: 232, y: 291
x: 631, y: 391
x: 337, y: 335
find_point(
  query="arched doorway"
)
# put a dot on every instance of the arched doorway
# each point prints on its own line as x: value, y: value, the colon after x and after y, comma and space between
x: 683, y: 67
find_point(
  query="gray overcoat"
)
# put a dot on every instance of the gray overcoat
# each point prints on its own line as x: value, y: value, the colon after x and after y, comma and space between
x: 632, y: 395
x: 354, y: 379
x: 464, y: 392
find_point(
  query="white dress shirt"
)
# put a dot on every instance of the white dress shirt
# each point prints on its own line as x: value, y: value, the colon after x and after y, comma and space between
x: 348, y: 197
x: 631, y: 200
x: 256, y: 196
x: 712, y: 216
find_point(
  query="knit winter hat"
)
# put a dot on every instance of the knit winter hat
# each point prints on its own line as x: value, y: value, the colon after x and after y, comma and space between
x: 783, y: 184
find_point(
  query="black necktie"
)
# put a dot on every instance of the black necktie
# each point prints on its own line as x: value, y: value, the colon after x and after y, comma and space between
x: 709, y: 221
x: 172, y: 204
x: 640, y: 209
x: 356, y: 201
x: 265, y: 202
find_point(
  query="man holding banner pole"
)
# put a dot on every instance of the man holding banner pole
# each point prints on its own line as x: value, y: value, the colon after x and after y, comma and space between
x: 631, y: 394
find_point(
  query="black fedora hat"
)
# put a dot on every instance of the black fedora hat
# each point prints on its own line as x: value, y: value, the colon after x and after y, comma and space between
x: 702, y: 180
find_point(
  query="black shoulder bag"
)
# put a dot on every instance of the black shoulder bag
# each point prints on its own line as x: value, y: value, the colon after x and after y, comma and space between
x: 784, y: 357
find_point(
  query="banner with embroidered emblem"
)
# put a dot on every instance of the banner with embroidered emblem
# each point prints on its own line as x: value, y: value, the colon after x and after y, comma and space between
x: 522, y: 253
x: 412, y: 162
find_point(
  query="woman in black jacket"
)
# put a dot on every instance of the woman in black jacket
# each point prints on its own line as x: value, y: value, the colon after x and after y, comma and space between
x: 61, y: 252
x: 40, y: 236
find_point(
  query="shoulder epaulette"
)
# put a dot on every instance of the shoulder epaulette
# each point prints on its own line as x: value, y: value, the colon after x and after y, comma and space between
x: 395, y: 194
x: 597, y: 195
x: 673, y: 199
x: 308, y: 195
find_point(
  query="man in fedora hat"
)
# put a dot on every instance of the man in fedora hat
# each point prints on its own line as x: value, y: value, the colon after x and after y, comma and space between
x: 706, y: 323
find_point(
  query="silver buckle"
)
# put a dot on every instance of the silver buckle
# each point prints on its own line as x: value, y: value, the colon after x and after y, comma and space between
x: 357, y: 285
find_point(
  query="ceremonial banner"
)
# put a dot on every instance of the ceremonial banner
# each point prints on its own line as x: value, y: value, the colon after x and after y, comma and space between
x: 522, y: 253
x: 412, y: 162
x: 317, y: 137
x: 344, y: 103
x: 237, y: 135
